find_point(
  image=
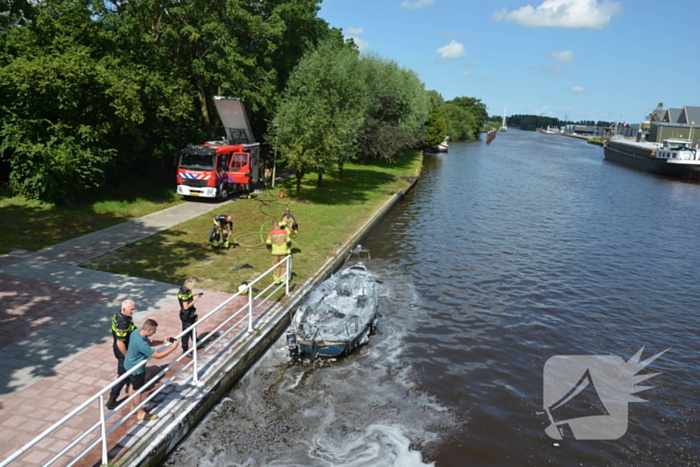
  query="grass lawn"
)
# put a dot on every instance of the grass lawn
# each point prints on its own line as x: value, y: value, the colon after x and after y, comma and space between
x: 33, y: 225
x: 328, y: 215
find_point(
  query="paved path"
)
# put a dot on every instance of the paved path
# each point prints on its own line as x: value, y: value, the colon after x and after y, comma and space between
x: 82, y: 249
x: 55, y: 350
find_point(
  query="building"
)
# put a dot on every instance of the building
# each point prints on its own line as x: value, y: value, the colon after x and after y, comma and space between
x: 587, y: 130
x: 676, y: 123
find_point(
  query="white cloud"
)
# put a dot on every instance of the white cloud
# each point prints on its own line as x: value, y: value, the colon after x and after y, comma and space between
x: 451, y: 50
x: 543, y: 110
x: 562, y: 57
x: 361, y: 45
x: 577, y: 89
x: 417, y: 4
x: 467, y: 73
x: 355, y: 31
x: 579, y: 14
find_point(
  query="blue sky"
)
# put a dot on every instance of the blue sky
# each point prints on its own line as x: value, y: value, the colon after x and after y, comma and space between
x: 585, y: 59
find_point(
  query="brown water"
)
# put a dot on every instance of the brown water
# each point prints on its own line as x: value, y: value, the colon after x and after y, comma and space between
x: 501, y: 257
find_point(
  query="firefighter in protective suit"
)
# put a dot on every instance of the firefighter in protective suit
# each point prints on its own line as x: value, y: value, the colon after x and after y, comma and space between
x: 221, y: 232
x: 289, y: 223
x: 280, y: 245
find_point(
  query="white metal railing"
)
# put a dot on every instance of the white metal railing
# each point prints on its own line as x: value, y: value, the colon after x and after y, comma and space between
x: 195, y: 378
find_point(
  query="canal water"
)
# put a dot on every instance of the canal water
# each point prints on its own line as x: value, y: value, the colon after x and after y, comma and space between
x: 503, y: 259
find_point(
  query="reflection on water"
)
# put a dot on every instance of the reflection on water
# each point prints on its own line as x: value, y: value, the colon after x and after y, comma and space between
x: 502, y: 256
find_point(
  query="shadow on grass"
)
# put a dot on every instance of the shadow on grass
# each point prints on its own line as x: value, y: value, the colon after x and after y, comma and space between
x: 32, y: 225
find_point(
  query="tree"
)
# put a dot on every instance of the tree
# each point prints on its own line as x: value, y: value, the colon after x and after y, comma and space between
x: 86, y: 83
x: 321, y: 111
x: 476, y: 108
x: 436, y: 128
x: 460, y: 123
x: 65, y: 100
x: 397, y: 108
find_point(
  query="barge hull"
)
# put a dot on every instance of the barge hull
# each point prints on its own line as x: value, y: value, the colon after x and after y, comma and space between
x: 650, y: 164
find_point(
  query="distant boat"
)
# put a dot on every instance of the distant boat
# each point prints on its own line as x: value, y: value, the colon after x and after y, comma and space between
x: 442, y: 147
x: 504, y: 127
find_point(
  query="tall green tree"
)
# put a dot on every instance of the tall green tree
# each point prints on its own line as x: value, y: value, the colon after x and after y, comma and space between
x: 476, y: 108
x: 460, y: 123
x: 435, y: 127
x: 321, y: 112
x: 397, y: 108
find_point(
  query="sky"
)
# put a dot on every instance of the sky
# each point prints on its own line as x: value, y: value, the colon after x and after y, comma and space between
x: 570, y: 59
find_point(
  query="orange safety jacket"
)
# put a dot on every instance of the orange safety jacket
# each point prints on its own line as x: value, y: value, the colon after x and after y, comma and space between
x: 279, y: 239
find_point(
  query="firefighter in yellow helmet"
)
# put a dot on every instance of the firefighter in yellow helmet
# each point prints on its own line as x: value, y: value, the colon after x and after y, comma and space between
x: 289, y: 223
x: 280, y: 245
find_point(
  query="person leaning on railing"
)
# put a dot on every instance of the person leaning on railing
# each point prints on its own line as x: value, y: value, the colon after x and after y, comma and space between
x: 140, y: 350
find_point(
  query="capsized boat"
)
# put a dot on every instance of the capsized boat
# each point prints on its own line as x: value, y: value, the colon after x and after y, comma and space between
x: 338, y: 315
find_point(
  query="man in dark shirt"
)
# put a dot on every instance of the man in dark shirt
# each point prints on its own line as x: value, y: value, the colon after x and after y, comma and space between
x: 122, y: 326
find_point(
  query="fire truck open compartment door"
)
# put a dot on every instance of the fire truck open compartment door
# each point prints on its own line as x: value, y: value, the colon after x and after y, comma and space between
x: 235, y: 121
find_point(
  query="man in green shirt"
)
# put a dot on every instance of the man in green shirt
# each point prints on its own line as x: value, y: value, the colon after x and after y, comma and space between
x: 140, y: 350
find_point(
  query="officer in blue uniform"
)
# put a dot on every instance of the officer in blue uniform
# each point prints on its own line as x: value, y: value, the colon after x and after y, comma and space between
x: 122, y: 326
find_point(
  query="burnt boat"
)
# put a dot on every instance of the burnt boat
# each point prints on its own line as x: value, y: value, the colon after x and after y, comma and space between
x: 672, y: 158
x: 337, y: 317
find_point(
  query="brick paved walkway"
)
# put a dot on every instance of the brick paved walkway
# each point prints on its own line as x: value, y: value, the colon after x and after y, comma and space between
x: 29, y: 409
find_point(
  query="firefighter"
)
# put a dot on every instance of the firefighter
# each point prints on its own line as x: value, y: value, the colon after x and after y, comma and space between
x: 280, y: 245
x: 289, y: 223
x: 221, y: 231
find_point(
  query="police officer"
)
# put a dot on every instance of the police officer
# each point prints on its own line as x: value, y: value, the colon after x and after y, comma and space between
x: 289, y: 223
x: 188, y: 312
x: 280, y: 245
x: 122, y: 326
x: 221, y: 231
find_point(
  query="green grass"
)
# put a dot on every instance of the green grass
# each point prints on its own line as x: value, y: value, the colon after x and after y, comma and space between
x: 33, y: 225
x: 328, y: 215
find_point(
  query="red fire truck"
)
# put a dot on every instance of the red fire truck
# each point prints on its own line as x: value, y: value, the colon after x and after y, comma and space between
x: 217, y: 168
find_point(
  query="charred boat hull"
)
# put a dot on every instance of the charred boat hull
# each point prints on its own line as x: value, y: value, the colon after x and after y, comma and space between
x: 338, y: 316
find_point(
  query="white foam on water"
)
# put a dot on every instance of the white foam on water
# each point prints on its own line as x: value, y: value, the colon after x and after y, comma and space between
x: 380, y: 445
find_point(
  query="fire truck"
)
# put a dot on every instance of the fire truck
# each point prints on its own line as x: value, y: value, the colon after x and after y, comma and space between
x: 217, y: 168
